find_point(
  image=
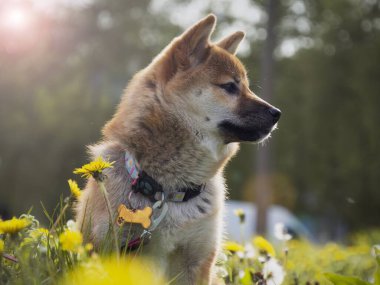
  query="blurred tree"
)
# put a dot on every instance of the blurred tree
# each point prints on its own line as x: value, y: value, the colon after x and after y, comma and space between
x: 329, y: 92
x: 263, y: 168
x: 57, y: 94
x: 328, y: 89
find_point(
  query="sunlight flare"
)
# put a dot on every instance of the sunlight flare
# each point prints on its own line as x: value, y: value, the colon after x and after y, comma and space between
x: 16, y: 18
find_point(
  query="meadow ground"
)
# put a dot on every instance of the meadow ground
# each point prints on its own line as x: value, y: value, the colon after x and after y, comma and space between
x: 31, y: 254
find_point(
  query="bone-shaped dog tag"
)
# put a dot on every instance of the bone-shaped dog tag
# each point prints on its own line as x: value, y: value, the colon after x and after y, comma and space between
x: 134, y: 216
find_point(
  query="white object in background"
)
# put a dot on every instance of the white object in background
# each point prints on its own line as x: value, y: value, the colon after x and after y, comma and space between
x: 276, y: 215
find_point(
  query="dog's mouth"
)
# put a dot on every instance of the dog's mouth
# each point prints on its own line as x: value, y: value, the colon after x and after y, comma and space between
x: 233, y: 132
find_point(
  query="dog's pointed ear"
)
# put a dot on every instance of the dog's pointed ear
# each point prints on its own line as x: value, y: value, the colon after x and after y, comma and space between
x: 189, y: 49
x: 193, y: 45
x: 232, y: 42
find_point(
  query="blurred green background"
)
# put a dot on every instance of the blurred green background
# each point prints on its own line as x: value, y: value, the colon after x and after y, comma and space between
x: 64, y: 65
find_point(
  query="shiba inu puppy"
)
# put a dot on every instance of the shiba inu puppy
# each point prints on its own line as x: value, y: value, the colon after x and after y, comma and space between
x: 179, y: 122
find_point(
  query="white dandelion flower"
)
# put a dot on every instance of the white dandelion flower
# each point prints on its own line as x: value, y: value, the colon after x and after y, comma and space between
x: 281, y: 232
x: 273, y: 272
x: 71, y: 225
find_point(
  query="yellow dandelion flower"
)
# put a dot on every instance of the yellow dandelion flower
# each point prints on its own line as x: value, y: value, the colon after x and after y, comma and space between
x: 94, y: 168
x: 290, y: 265
x: 74, y: 188
x: 1, y: 245
x: 110, y: 271
x: 240, y: 214
x: 233, y: 246
x: 264, y: 246
x: 13, y: 226
x: 71, y: 240
x: 88, y: 247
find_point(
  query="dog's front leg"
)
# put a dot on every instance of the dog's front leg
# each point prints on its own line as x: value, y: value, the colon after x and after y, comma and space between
x: 205, y: 277
x: 199, y: 272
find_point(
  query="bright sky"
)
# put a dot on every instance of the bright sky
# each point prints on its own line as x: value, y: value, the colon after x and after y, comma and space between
x: 16, y: 16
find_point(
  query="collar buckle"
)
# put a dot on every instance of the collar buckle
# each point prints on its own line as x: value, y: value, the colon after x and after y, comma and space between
x: 176, y: 196
x: 147, y: 186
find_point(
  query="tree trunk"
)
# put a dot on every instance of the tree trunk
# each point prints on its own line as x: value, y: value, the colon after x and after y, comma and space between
x: 263, y: 187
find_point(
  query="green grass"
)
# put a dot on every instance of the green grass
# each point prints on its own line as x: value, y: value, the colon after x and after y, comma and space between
x: 34, y: 256
x: 57, y: 254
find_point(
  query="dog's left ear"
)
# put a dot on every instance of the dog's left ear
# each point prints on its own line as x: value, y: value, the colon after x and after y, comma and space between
x: 232, y: 42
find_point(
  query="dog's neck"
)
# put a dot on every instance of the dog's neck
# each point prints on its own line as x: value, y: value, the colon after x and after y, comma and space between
x: 171, y: 153
x: 167, y: 146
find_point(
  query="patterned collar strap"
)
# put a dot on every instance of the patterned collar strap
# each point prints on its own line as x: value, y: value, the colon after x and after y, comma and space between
x: 147, y: 186
x: 132, y: 167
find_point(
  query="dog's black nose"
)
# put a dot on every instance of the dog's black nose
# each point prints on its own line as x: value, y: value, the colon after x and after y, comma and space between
x: 276, y: 113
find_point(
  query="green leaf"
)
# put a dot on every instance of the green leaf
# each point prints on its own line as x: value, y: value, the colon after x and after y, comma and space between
x: 337, y: 279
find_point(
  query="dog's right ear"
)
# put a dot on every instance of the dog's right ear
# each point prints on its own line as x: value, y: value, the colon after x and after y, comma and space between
x: 191, y: 48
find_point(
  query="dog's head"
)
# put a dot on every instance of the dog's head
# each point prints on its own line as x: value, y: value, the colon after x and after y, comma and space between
x: 209, y: 84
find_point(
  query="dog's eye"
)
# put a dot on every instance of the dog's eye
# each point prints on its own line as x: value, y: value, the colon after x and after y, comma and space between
x: 230, y: 87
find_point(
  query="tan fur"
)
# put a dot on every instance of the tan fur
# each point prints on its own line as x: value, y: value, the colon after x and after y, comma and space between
x: 231, y: 43
x: 169, y: 120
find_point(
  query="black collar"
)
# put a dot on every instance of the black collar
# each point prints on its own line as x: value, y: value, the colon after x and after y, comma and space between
x: 143, y: 183
x: 150, y: 188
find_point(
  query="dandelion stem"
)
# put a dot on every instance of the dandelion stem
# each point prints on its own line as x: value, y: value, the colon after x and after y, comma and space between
x: 112, y: 218
x: 242, y: 235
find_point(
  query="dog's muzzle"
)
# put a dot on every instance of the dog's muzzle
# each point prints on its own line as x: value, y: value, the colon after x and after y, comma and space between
x: 251, y: 127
